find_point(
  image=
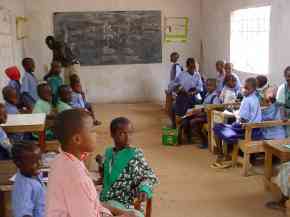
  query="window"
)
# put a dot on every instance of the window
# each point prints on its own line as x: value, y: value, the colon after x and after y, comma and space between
x: 250, y: 32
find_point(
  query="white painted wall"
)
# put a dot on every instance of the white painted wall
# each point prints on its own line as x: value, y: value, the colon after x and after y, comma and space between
x: 216, y: 33
x: 122, y: 83
x: 16, y: 8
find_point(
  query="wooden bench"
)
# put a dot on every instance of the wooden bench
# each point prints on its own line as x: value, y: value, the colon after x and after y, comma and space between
x: 248, y: 146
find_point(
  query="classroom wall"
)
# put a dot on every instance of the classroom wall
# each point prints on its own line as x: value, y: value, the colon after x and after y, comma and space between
x: 216, y: 33
x: 122, y: 83
x: 16, y: 8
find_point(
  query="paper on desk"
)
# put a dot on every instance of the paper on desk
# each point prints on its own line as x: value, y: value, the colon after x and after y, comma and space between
x: 287, y: 146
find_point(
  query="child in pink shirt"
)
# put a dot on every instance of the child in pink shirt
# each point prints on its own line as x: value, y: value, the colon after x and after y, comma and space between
x: 71, y: 192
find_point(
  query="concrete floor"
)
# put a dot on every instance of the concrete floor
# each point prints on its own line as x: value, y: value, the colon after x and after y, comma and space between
x: 188, y: 186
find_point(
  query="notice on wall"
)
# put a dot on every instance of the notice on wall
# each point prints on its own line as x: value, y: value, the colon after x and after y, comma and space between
x: 176, y: 29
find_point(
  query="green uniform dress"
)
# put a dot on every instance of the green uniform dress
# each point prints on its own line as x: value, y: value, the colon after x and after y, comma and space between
x: 126, y: 174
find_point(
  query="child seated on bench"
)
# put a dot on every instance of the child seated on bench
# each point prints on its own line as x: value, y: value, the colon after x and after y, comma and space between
x: 249, y: 112
x: 5, y: 144
x: 198, y: 118
x: 78, y: 97
x: 65, y: 98
x: 11, y: 102
x: 55, y: 80
x: 271, y: 113
x: 44, y: 105
x: 126, y: 173
x: 262, y: 86
x: 14, y: 75
x: 229, y: 93
x: 28, y: 194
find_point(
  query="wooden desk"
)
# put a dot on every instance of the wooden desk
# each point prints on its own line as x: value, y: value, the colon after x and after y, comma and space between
x: 23, y: 123
x: 273, y: 149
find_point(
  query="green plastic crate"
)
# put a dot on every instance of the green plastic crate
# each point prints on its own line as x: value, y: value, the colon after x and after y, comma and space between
x: 169, y: 136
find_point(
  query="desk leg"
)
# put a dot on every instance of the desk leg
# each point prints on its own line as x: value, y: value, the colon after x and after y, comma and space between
x: 42, y: 140
x: 268, y: 167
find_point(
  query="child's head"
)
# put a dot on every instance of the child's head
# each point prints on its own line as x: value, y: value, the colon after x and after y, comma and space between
x: 75, y: 131
x: 50, y: 41
x: 220, y: 65
x: 230, y: 81
x: 229, y: 68
x: 27, y: 157
x: 287, y: 75
x: 121, y: 130
x: 74, y: 78
x: 55, y: 68
x: 250, y: 86
x: 44, y: 92
x: 270, y: 95
x: 174, y: 57
x: 3, y: 114
x: 13, y: 73
x: 211, y: 85
x: 10, y: 95
x: 65, y: 93
x: 262, y: 80
x: 75, y: 84
x: 28, y: 64
x: 191, y: 64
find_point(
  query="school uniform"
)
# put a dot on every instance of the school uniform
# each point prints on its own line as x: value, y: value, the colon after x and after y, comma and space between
x: 273, y: 112
x: 28, y: 197
x: 250, y: 111
x: 54, y: 81
x: 220, y: 82
x: 78, y: 101
x: 211, y: 98
x: 11, y: 109
x: 175, y: 71
x: 42, y: 106
x: 5, y: 145
x: 189, y: 81
x: 183, y: 102
x: 62, y: 106
x: 229, y: 95
x: 29, y: 88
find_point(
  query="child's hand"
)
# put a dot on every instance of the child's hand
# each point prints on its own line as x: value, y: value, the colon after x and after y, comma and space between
x: 142, y: 197
x: 99, y: 159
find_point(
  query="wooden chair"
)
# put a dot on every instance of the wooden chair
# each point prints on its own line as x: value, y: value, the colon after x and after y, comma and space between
x: 249, y: 146
x: 148, y: 208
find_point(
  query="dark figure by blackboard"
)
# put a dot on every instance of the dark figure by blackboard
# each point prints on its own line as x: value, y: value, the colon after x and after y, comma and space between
x: 63, y: 53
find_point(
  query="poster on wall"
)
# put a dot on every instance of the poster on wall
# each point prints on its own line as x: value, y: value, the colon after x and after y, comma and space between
x: 176, y: 29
